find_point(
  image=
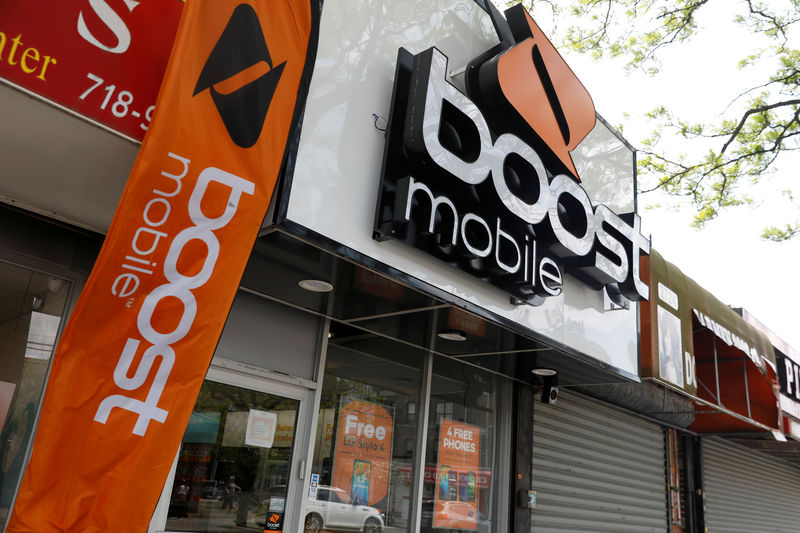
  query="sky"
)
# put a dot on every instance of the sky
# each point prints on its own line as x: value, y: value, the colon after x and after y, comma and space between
x: 698, y: 81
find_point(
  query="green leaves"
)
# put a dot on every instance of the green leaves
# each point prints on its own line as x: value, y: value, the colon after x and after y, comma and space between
x: 780, y: 234
x: 713, y: 163
x: 775, y: 234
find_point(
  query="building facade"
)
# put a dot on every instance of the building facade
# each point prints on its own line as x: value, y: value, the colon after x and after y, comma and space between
x: 439, y: 326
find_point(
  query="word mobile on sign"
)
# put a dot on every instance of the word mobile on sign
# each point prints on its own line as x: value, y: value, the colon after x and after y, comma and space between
x: 496, y: 196
x: 103, y: 59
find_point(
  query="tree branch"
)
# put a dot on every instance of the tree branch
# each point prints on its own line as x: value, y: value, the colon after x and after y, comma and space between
x: 747, y: 114
x: 772, y: 19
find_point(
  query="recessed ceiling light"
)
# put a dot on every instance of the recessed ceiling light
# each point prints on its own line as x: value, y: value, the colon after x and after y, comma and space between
x: 315, y: 285
x: 544, y: 372
x: 452, y: 335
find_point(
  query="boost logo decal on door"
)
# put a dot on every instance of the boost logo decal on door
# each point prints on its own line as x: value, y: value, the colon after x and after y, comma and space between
x: 133, y: 356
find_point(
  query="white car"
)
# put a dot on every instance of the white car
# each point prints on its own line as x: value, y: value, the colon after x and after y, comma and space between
x: 332, y: 512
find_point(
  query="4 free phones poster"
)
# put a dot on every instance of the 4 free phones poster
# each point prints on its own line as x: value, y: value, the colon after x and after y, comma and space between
x: 363, y: 455
x: 456, y: 495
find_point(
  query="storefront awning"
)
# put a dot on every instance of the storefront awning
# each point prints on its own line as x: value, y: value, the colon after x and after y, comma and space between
x: 693, y: 343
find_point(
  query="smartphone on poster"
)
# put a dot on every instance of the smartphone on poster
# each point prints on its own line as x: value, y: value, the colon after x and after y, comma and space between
x: 452, y: 486
x: 444, y: 482
x: 471, y: 482
x: 462, y: 487
x: 359, y: 484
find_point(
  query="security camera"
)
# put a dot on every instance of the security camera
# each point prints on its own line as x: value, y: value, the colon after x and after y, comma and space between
x: 549, y: 389
x: 549, y: 394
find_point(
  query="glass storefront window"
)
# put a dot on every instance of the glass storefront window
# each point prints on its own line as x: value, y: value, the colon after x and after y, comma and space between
x: 460, y: 450
x: 32, y: 306
x: 233, y: 464
x: 366, y: 438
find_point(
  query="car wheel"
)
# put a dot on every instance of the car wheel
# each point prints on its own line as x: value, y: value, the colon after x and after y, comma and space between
x: 372, y: 525
x: 313, y: 523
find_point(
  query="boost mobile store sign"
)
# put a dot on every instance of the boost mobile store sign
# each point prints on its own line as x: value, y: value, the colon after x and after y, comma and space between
x: 485, y: 181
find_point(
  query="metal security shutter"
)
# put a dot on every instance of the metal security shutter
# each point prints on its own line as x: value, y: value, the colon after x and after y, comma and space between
x: 596, y: 468
x: 748, y: 492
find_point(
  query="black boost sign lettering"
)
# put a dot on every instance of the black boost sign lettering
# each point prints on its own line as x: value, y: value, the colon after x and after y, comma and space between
x: 490, y: 196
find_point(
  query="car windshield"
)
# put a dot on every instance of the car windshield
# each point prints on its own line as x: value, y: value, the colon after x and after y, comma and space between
x: 332, y: 495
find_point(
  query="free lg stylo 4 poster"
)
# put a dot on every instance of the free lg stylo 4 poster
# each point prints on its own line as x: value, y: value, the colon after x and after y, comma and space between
x: 363, y: 452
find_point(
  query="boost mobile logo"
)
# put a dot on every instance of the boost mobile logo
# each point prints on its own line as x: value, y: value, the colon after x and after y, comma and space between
x: 538, y: 91
x: 240, y: 76
x: 485, y: 180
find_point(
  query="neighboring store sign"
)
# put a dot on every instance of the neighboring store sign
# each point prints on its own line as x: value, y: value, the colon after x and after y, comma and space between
x: 667, y: 350
x: 674, y: 363
x: 731, y: 338
x: 672, y: 319
x: 456, y: 495
x: 789, y: 380
x: 132, y: 359
x: 361, y: 462
x: 100, y: 58
x: 788, y: 376
x: 532, y: 221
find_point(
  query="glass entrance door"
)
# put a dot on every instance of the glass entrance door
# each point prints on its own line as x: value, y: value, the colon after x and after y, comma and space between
x: 32, y: 305
x: 234, y: 465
